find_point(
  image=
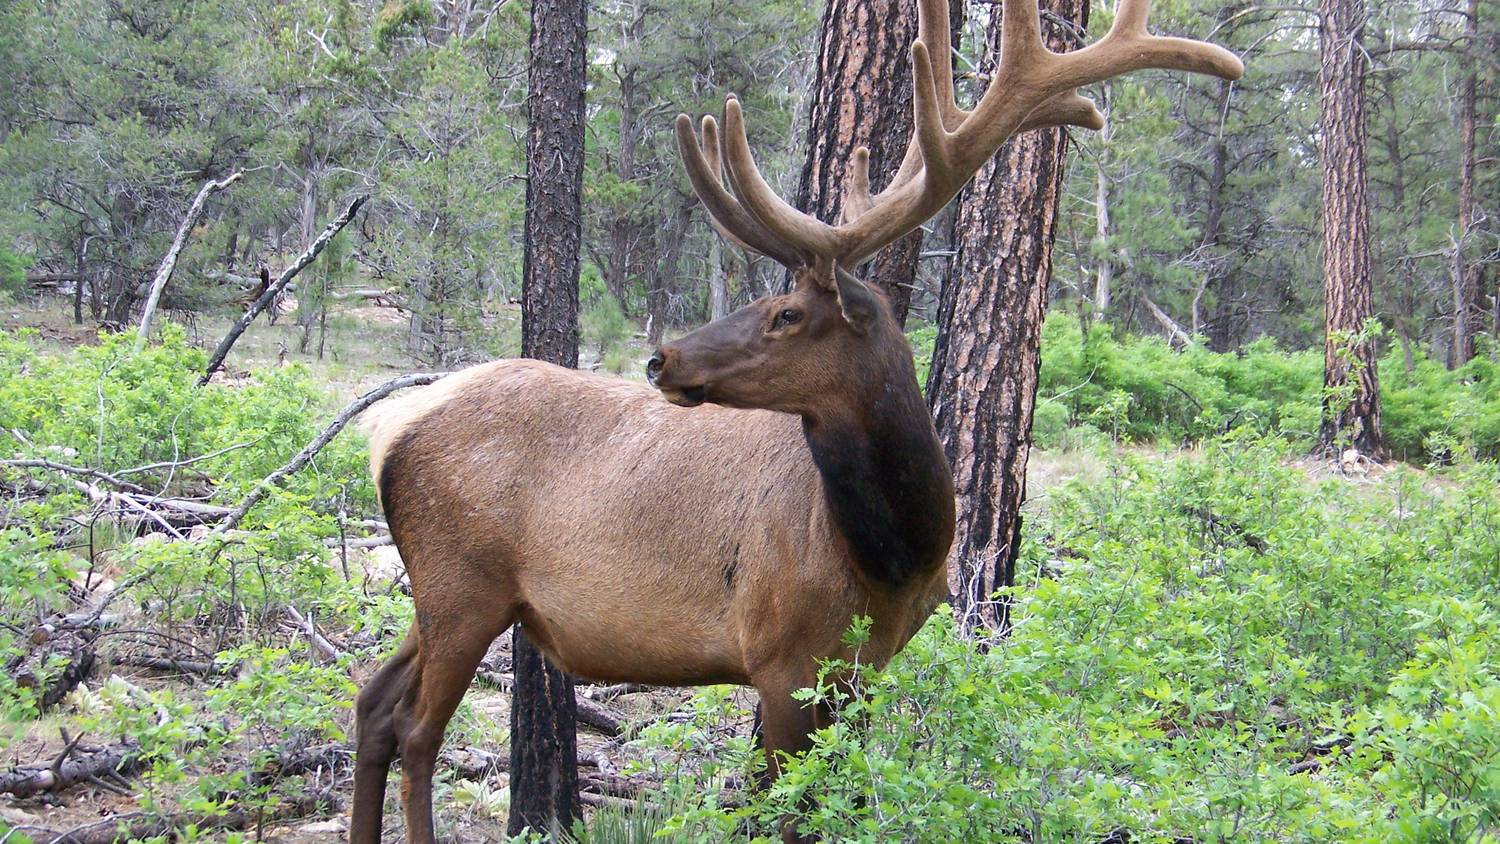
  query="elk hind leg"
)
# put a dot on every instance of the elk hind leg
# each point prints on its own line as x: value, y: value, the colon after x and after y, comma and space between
x: 375, y: 735
x: 451, y: 643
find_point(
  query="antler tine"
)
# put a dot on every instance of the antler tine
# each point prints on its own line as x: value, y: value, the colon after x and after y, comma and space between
x: 729, y: 218
x: 803, y: 231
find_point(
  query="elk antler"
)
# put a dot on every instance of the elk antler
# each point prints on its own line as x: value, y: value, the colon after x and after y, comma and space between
x: 1032, y: 88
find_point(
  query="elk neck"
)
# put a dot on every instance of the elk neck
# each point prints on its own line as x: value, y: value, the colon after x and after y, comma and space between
x: 885, y: 479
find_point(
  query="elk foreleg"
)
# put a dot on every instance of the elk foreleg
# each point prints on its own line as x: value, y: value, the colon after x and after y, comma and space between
x: 786, y: 728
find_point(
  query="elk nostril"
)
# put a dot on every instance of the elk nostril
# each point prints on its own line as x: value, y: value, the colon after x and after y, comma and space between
x: 653, y: 367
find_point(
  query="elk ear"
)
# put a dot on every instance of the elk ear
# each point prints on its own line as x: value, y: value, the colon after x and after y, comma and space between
x: 856, y: 300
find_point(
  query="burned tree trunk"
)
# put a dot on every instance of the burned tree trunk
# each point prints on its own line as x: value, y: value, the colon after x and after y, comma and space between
x: 862, y: 97
x: 982, y: 387
x: 543, y: 743
x: 1351, y: 395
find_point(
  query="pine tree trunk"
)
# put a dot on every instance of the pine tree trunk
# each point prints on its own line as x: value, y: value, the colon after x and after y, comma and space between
x: 862, y: 97
x: 982, y: 387
x: 1466, y: 308
x: 543, y: 740
x: 1351, y: 402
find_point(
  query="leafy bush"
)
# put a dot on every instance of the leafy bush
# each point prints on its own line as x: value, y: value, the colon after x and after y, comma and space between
x: 1211, y: 648
x: 12, y: 273
x: 1138, y: 388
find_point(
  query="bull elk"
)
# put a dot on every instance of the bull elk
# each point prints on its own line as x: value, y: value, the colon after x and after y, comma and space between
x: 640, y: 537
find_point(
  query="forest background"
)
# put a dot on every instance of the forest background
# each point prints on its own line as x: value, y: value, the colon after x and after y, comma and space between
x: 1184, y: 300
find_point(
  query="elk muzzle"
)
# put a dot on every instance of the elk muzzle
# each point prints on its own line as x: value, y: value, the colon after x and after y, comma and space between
x: 659, y: 374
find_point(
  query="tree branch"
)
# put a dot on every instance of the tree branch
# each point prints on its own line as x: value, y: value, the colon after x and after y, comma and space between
x: 274, y: 289
x: 351, y: 410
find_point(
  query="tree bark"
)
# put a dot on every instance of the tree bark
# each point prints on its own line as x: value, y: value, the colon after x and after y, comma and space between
x: 1466, y: 308
x: 982, y: 387
x: 1351, y: 395
x: 862, y: 97
x: 543, y: 743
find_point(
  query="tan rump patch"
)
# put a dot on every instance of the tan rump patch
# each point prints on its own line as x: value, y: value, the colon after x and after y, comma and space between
x: 384, y: 422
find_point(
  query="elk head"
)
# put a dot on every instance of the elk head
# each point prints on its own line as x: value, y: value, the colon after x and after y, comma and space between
x: 793, y: 351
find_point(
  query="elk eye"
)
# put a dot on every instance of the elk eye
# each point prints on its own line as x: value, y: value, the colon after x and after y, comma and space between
x: 785, y: 318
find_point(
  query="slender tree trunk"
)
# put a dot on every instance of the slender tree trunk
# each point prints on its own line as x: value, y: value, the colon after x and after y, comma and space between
x: 1104, y: 274
x: 718, y: 281
x: 78, y: 277
x: 982, y: 387
x: 1351, y: 401
x: 309, y: 296
x: 658, y: 297
x: 543, y: 739
x: 1466, y: 309
x: 862, y: 97
x: 624, y: 228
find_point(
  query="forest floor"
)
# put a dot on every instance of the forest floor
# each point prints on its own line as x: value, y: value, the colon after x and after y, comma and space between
x: 363, y: 350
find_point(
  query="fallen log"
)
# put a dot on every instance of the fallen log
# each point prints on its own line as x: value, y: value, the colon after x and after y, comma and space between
x: 140, y: 825
x: 60, y: 658
x: 73, y: 766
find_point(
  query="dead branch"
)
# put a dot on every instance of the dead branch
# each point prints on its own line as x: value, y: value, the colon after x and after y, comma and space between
x: 80, y: 471
x: 74, y: 766
x: 169, y: 262
x: 314, y: 638
x: 607, y: 693
x: 351, y: 410
x: 167, y: 663
x: 1174, y: 330
x: 275, y: 288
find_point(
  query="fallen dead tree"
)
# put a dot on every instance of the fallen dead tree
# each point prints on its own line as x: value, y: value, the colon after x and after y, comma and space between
x: 139, y: 825
x: 169, y: 261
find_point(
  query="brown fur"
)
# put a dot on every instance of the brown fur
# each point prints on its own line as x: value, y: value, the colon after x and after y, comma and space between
x: 635, y: 539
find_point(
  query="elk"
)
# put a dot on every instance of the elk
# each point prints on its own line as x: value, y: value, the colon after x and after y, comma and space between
x: 782, y: 477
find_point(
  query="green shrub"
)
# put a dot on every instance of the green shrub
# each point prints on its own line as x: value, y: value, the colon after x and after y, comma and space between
x: 1210, y: 648
x: 12, y: 273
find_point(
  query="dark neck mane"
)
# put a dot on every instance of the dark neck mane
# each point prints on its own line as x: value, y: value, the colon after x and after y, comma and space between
x: 886, y: 481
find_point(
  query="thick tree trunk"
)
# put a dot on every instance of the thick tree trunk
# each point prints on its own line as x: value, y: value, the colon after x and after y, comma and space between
x: 982, y: 387
x: 862, y: 97
x: 543, y: 739
x: 1351, y: 403
x: 1466, y: 308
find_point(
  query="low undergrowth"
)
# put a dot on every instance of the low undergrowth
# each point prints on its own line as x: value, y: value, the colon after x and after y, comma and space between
x: 1205, y: 648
